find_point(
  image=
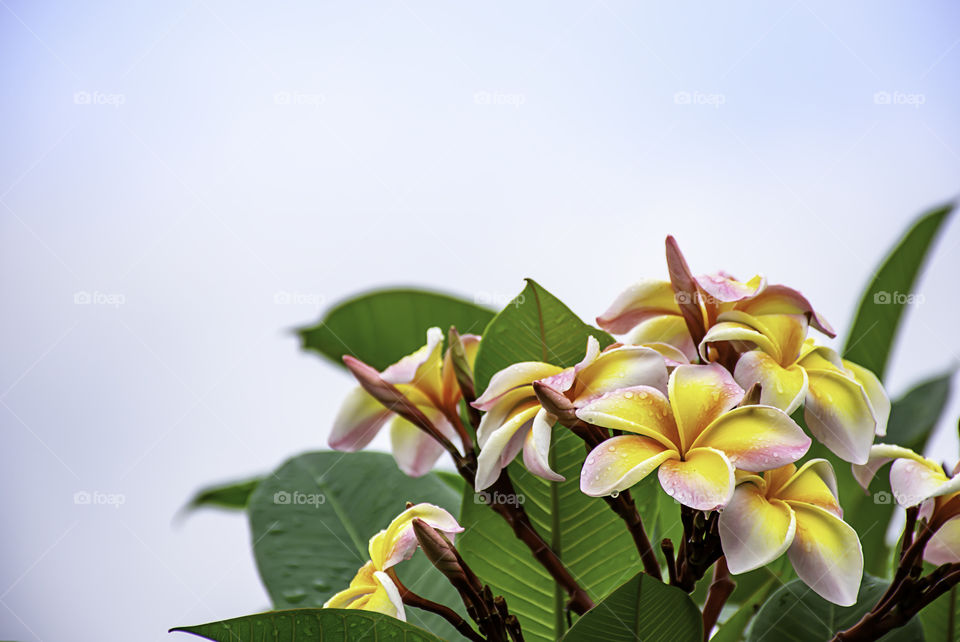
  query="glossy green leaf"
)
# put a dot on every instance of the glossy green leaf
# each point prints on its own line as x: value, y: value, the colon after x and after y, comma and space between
x: 232, y: 496
x: 796, y: 613
x: 941, y: 618
x: 914, y: 416
x: 642, y: 609
x: 889, y: 292
x: 382, y: 326
x: 535, y: 326
x: 312, y: 519
x: 311, y: 625
x: 733, y: 629
x: 588, y: 536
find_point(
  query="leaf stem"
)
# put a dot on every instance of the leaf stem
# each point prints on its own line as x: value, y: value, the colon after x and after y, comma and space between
x: 720, y: 589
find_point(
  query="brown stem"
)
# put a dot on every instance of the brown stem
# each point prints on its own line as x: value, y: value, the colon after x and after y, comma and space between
x: 667, y: 547
x: 416, y: 601
x: 624, y: 506
x: 720, y: 589
x: 700, y: 547
x: 908, y: 530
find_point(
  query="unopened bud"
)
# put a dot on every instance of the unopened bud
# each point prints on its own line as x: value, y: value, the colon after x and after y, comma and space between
x: 556, y: 403
x: 461, y: 367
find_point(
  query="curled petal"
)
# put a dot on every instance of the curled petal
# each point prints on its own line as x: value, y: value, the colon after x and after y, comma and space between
x: 688, y: 298
x: 779, y: 299
x: 564, y: 380
x: 638, y: 303
x: 698, y: 395
x: 826, y: 554
x: 423, y: 368
x: 667, y: 329
x: 740, y: 335
x: 398, y: 542
x: 415, y: 451
x: 672, y: 355
x: 621, y: 462
x: 622, y: 367
x: 536, y: 447
x: 358, y: 422
x: 756, y: 438
x: 642, y: 410
x: 506, y: 405
x: 723, y: 288
x: 361, y: 586
x: 753, y: 530
x: 814, y: 483
x: 511, y: 377
x: 387, y: 599
x: 783, y: 388
x: 839, y: 414
x: 879, y: 401
x: 944, y: 546
x: 914, y: 481
x: 881, y: 454
x: 503, y: 445
x: 704, y: 480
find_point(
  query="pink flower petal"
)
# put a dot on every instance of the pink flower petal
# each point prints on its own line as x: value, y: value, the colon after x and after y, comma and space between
x: 754, y: 531
x: 704, y: 480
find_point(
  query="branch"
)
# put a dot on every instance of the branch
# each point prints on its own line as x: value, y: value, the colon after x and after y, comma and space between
x: 720, y: 589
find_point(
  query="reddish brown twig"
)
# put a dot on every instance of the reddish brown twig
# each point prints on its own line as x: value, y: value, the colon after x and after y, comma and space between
x: 720, y: 589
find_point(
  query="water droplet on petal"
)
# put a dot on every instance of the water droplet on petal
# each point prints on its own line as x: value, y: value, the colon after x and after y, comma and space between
x: 615, y: 494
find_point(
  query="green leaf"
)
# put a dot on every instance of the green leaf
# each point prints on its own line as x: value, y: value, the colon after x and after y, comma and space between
x: 311, y: 521
x: 642, y: 609
x: 535, y: 326
x: 232, y: 496
x: 733, y: 628
x: 914, y: 416
x: 882, y: 304
x: 310, y: 625
x: 584, y: 532
x: 795, y: 612
x: 941, y: 618
x: 380, y: 327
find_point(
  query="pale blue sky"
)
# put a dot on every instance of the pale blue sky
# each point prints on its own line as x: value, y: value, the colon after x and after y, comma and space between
x: 184, y: 162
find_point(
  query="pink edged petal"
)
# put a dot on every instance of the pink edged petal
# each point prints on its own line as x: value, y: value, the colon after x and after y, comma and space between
x: 642, y: 410
x: 914, y: 481
x: 506, y: 405
x: 620, y: 462
x: 756, y: 438
x: 704, y: 480
x: 358, y: 422
x: 387, y: 600
x: 880, y: 454
x: 779, y: 299
x: 879, y: 401
x: 622, y: 367
x: 671, y: 330
x: 753, y: 530
x: 422, y: 368
x: 826, y: 554
x: 783, y: 388
x: 672, y: 355
x: 511, y: 377
x: 564, y: 380
x: 638, y: 303
x: 814, y: 483
x: 398, y: 542
x: 415, y: 451
x: 503, y: 445
x: 838, y: 413
x: 723, y: 288
x: 536, y: 447
x: 689, y: 298
x: 944, y: 546
x: 698, y: 395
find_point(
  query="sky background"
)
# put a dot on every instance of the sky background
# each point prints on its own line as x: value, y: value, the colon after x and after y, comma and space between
x: 212, y: 174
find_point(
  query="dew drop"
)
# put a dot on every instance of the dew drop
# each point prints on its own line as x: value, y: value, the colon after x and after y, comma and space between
x: 611, y: 448
x: 294, y: 595
x: 628, y: 395
x: 615, y: 494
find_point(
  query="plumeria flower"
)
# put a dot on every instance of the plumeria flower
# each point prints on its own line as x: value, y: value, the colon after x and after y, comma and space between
x: 428, y: 381
x: 694, y: 437
x: 515, y: 419
x: 651, y: 311
x: 845, y: 405
x: 916, y: 480
x: 793, y: 511
x: 373, y: 589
